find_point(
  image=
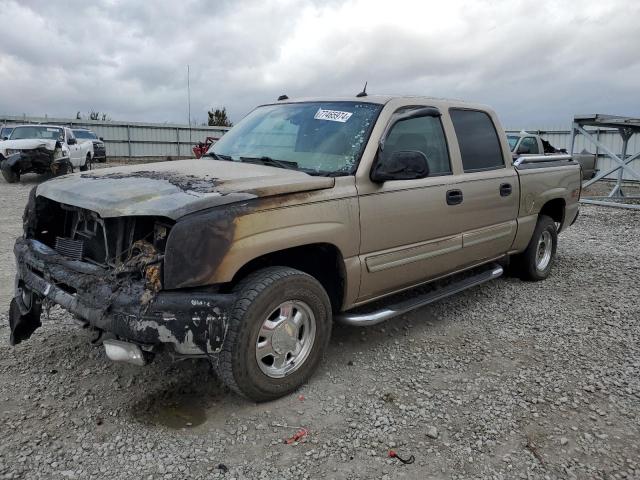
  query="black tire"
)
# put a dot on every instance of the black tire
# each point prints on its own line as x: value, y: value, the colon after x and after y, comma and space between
x: 9, y: 175
x: 259, y: 294
x: 63, y: 169
x: 526, y: 264
x: 87, y: 164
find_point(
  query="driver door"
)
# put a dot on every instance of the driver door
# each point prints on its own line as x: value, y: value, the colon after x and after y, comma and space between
x: 407, y: 236
x: 75, y: 154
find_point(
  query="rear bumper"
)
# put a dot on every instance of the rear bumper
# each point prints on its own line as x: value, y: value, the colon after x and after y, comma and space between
x: 194, y: 322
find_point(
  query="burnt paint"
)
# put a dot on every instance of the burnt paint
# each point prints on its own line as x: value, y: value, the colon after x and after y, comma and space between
x: 198, y: 244
x: 185, y: 183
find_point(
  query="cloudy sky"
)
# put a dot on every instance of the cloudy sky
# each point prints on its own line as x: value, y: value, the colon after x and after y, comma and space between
x: 536, y: 62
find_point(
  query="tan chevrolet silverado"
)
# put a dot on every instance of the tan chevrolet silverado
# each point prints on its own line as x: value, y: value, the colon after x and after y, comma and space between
x: 351, y: 209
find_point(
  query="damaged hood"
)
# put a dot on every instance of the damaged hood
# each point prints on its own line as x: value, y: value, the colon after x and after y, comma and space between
x: 174, y: 189
x: 28, y: 144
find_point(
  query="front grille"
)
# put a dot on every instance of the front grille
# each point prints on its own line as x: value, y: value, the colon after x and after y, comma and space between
x: 83, y: 235
x: 69, y: 247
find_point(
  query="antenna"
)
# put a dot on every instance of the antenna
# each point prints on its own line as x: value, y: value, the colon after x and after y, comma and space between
x: 363, y: 93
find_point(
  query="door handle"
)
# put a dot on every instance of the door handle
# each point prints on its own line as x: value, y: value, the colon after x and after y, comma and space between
x: 505, y: 189
x: 454, y: 197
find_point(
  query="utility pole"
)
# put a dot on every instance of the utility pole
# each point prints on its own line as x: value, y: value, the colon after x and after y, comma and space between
x: 189, y: 100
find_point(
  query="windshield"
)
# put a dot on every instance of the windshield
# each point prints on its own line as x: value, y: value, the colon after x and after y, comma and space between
x: 84, y: 134
x: 319, y: 138
x: 513, y: 141
x: 39, y: 132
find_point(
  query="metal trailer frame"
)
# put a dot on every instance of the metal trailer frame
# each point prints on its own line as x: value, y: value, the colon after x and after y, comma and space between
x: 626, y: 126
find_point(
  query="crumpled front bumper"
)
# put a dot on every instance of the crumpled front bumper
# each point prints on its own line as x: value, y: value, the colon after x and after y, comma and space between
x: 194, y: 321
x: 37, y: 160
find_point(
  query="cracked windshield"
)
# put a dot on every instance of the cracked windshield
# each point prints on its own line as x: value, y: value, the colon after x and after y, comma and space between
x: 319, y: 138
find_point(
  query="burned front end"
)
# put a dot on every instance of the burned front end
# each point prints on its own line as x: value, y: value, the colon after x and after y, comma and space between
x: 109, y: 273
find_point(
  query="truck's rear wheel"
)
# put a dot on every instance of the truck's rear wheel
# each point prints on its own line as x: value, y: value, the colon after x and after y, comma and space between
x: 536, y: 261
x: 279, y: 328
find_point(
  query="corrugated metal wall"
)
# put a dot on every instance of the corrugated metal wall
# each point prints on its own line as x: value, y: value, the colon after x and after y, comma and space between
x: 132, y: 139
x: 560, y: 138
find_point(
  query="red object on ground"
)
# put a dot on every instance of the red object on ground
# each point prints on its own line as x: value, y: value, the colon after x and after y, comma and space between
x: 298, y: 435
x: 201, y: 148
x: 393, y: 454
x: 301, y: 398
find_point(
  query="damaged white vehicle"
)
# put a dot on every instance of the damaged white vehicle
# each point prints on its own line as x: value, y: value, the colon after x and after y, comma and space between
x: 43, y: 149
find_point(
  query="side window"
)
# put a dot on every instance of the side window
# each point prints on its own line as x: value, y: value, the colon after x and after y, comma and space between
x: 529, y: 145
x: 478, y: 140
x: 424, y: 134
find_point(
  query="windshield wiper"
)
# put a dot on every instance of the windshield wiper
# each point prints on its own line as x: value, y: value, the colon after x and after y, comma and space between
x: 271, y: 162
x: 218, y: 156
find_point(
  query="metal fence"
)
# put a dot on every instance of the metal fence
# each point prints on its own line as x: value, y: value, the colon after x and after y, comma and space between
x: 133, y: 139
x: 561, y: 138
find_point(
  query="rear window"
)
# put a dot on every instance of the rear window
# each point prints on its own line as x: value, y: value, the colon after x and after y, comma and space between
x: 478, y: 140
x: 85, y: 134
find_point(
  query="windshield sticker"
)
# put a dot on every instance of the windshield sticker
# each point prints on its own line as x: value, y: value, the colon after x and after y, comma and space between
x: 52, y: 129
x: 332, y: 115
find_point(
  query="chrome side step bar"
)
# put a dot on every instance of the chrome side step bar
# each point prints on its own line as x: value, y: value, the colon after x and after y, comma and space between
x: 402, y: 307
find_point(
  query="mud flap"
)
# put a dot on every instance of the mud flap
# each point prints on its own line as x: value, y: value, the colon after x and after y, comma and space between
x: 23, y: 325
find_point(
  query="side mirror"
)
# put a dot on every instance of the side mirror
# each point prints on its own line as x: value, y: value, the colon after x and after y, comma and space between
x: 402, y: 165
x: 5, y: 138
x: 101, y: 139
x: 72, y: 141
x: 523, y: 149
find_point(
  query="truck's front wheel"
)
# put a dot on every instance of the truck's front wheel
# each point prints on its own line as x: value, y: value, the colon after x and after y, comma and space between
x: 278, y: 331
x: 9, y: 175
x: 536, y: 261
x: 87, y: 164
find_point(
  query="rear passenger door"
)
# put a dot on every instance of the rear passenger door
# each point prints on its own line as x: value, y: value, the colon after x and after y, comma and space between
x: 489, y: 188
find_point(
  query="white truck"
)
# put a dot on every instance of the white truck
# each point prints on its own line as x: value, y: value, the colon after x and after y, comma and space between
x: 43, y: 149
x: 529, y: 144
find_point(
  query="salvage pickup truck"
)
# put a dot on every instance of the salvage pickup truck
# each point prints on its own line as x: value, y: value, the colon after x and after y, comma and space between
x: 50, y: 149
x: 305, y: 212
x: 529, y: 144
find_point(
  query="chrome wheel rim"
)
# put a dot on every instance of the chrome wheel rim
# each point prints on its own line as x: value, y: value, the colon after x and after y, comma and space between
x: 285, y: 339
x: 544, y: 250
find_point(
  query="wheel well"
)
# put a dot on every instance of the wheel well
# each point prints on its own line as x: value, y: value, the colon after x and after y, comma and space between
x: 322, y: 261
x: 554, y: 209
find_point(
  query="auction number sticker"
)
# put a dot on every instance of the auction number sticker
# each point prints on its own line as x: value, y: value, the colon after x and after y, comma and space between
x: 332, y: 115
x: 52, y: 129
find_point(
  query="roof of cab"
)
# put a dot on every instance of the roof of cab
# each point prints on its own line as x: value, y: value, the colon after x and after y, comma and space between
x: 384, y: 99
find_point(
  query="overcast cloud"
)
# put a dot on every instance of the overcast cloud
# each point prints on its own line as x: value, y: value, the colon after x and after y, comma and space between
x: 536, y: 62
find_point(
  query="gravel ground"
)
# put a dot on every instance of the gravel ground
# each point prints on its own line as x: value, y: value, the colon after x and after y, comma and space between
x: 508, y: 380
